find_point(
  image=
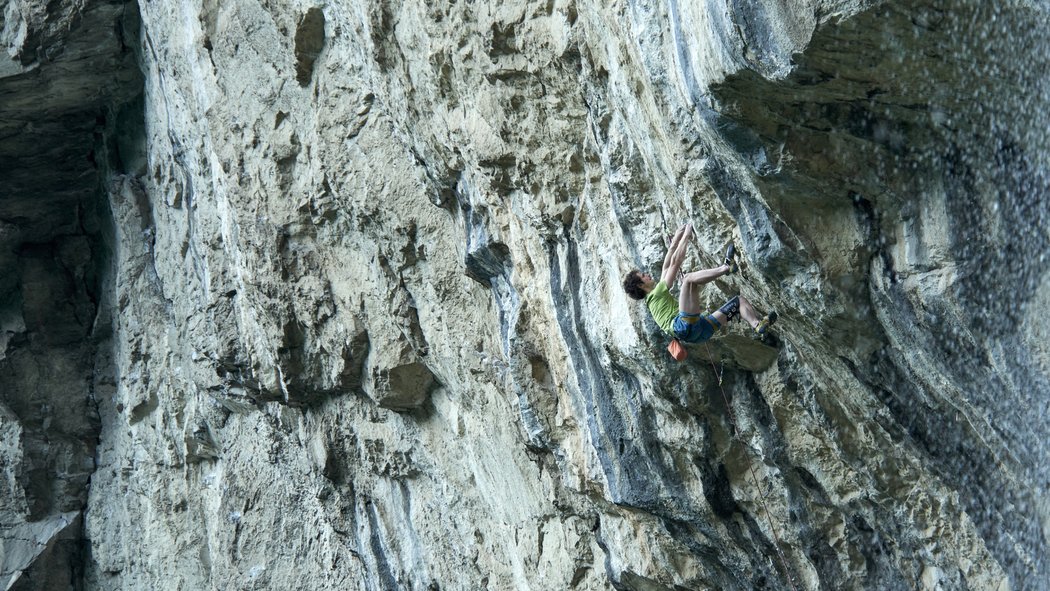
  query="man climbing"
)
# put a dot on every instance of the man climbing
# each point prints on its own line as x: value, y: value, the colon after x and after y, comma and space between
x: 683, y: 319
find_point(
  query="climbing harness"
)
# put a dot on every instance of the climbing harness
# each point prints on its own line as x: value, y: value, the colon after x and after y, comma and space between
x: 751, y: 468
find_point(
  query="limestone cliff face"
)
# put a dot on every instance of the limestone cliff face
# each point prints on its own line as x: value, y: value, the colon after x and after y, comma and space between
x: 67, y: 76
x: 356, y: 322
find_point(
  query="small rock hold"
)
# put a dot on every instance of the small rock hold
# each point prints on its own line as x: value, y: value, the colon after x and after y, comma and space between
x: 404, y: 387
x: 487, y: 261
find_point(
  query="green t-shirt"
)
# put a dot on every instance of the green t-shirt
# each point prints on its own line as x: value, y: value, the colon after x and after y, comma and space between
x: 662, y: 305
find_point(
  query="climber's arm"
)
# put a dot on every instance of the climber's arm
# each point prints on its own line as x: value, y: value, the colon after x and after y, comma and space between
x: 674, y: 244
x: 676, y: 255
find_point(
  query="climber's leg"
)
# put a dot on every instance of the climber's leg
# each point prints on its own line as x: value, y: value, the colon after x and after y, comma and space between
x: 747, y: 312
x: 689, y: 296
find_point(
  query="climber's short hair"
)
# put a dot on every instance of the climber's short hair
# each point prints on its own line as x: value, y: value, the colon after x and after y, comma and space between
x: 632, y: 284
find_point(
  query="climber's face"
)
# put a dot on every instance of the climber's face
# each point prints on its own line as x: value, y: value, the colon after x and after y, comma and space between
x: 648, y: 283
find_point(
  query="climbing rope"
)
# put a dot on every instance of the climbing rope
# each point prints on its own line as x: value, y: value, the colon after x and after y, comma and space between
x: 751, y: 468
x: 732, y: 419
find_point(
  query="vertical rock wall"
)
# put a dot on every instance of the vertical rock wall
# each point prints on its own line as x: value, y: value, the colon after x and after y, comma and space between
x: 68, y: 76
x: 367, y: 330
x: 953, y: 217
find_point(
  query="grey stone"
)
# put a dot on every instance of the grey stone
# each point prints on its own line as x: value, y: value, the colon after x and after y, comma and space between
x: 327, y: 295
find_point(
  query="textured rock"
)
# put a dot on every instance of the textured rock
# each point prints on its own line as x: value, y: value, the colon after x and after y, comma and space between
x: 362, y: 324
x: 67, y: 78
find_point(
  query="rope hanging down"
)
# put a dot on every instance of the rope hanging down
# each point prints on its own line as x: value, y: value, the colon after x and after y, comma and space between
x: 732, y: 419
x: 751, y: 468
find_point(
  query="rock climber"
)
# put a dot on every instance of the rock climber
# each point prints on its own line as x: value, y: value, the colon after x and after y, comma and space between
x: 684, y: 319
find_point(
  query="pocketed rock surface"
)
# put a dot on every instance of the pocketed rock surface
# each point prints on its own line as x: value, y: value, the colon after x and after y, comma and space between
x: 337, y: 304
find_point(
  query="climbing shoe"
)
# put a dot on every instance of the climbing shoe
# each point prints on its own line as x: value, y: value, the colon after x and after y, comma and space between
x: 765, y: 323
x: 730, y: 259
x: 731, y: 308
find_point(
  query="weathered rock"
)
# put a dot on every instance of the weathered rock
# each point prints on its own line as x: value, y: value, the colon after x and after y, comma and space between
x: 67, y: 78
x: 397, y: 378
x: 361, y: 324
